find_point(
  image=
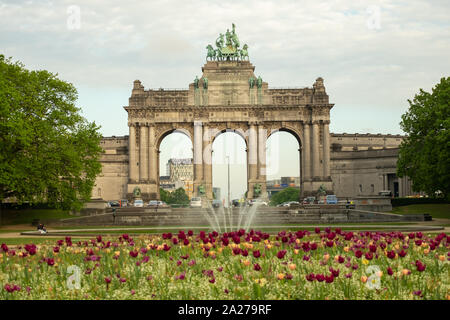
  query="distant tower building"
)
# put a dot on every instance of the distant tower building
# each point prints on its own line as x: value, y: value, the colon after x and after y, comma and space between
x: 182, y: 171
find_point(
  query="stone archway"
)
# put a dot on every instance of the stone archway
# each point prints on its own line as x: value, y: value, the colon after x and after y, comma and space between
x: 226, y: 101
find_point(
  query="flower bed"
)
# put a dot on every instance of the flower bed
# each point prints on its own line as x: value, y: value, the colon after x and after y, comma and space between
x: 325, y: 264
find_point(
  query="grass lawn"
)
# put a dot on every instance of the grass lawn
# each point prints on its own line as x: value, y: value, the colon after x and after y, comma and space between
x: 441, y: 210
x: 35, y: 240
x: 26, y: 216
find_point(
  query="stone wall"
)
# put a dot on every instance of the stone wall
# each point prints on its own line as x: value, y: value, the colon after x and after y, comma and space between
x: 366, y: 173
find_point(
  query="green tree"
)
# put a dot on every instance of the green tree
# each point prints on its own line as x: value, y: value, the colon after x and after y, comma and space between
x: 425, y: 152
x: 178, y: 196
x: 164, y: 195
x: 48, y: 151
x: 287, y: 194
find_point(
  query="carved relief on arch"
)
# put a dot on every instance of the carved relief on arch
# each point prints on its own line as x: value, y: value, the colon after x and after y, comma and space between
x: 164, y: 129
x: 241, y: 128
x: 295, y: 128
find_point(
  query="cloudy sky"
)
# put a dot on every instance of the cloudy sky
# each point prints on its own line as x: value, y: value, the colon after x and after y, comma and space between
x: 373, y: 55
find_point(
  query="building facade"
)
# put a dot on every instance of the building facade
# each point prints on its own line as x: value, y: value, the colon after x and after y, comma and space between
x: 228, y: 96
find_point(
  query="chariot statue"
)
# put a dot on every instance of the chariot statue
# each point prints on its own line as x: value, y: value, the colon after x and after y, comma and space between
x: 227, y: 47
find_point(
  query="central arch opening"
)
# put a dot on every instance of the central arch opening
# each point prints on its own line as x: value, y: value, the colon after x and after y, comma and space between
x: 282, y: 162
x: 175, y: 165
x: 229, y: 167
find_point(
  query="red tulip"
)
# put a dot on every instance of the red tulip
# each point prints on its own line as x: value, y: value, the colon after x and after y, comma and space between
x: 358, y: 253
x: 329, y: 279
x: 256, y: 267
x: 389, y: 271
x: 281, y: 254
x: 391, y: 254
x: 256, y: 253
x: 320, y: 277
x: 402, y: 253
x: 369, y: 255
x: 134, y: 253
x: 310, y: 277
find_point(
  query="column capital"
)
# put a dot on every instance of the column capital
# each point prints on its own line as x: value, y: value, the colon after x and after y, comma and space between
x: 315, y: 122
x: 198, y: 123
x: 326, y: 121
x: 252, y: 123
x: 131, y: 124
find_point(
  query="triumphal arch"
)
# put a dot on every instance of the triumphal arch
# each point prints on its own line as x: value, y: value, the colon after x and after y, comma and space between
x: 228, y: 96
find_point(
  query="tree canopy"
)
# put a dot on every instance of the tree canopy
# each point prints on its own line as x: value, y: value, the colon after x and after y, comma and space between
x: 287, y: 194
x: 177, y: 196
x: 48, y: 151
x: 424, y: 154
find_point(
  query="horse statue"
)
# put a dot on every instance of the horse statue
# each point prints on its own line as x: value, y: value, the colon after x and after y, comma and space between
x: 219, y: 54
x: 219, y: 41
x: 244, y: 52
x: 211, y: 52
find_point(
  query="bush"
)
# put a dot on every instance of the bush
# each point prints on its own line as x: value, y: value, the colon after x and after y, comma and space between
x: 398, y: 202
x: 288, y: 194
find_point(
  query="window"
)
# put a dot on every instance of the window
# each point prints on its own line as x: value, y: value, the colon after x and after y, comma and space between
x: 360, y: 188
x: 372, y: 188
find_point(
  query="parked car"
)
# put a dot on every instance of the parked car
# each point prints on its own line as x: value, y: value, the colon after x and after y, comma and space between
x: 138, y: 203
x: 216, y: 203
x: 196, y: 202
x: 309, y: 200
x: 114, y: 204
x: 162, y: 204
x: 257, y: 201
x: 331, y: 199
x: 152, y: 203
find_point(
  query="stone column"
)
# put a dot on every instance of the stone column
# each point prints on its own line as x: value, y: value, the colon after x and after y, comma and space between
x: 315, y: 150
x: 252, y: 159
x: 385, y: 182
x: 143, y: 153
x: 153, y: 163
x: 207, y: 161
x: 301, y: 194
x: 198, y: 155
x: 326, y: 149
x: 132, y: 162
x: 262, y: 141
x: 306, y: 152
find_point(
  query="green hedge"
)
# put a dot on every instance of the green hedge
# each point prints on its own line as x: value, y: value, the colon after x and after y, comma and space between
x: 398, y: 202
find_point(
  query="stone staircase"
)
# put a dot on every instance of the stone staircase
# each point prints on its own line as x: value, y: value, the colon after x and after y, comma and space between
x: 264, y: 216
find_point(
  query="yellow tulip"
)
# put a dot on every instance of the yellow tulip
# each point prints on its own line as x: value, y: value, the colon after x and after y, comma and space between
x: 363, y: 279
x: 296, y: 251
x: 292, y: 266
x: 442, y: 258
x: 280, y: 276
